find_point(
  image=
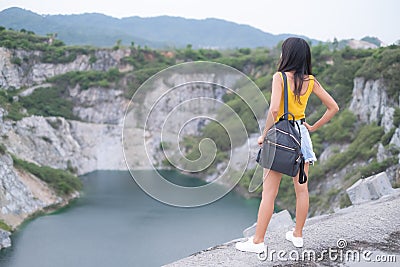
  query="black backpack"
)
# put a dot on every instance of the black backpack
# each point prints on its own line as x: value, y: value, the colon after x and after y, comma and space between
x: 281, y: 149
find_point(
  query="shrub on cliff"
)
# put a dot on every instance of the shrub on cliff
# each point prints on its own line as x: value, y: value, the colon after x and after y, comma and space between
x: 5, y: 226
x: 87, y: 79
x: 3, y: 149
x: 384, y: 63
x: 49, y: 101
x: 63, y: 182
x: 12, y: 107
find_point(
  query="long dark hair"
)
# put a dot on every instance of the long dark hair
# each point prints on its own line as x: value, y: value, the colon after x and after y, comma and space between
x: 296, y: 56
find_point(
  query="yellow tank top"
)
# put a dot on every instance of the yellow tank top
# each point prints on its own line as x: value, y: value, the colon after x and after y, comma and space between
x: 297, y: 109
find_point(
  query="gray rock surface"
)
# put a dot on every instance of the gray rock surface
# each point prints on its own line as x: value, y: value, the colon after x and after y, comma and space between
x: 370, y: 188
x: 36, y: 72
x: 15, y: 196
x: 373, y: 225
x: 5, y: 240
x: 175, y: 99
x: 395, y: 141
x: 99, y: 105
x: 22, y: 194
x: 58, y: 143
x: 371, y: 103
x: 382, y: 154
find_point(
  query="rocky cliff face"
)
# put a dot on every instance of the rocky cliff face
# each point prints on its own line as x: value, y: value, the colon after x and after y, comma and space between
x: 63, y: 144
x: 21, y: 194
x: 32, y: 71
x: 372, y: 104
x: 16, y: 198
x: 54, y: 142
x: 5, y: 240
x: 190, y: 103
x: 99, y: 105
x: 94, y: 143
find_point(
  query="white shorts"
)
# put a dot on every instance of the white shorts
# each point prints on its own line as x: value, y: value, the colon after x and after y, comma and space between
x: 306, y: 145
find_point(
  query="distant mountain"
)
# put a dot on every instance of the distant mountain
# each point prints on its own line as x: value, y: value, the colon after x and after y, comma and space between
x: 164, y: 31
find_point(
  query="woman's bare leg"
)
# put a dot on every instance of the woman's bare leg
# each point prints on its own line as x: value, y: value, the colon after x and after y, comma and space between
x: 302, y: 203
x: 271, y: 183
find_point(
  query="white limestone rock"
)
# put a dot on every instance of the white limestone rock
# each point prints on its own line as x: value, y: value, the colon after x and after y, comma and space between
x: 12, y: 75
x: 5, y: 240
x: 370, y: 188
x: 395, y: 141
x: 371, y: 103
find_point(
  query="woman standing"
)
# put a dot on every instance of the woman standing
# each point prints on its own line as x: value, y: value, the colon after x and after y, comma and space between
x: 295, y: 61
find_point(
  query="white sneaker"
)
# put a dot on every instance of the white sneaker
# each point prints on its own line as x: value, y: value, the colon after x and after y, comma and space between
x: 249, y: 246
x: 297, y: 241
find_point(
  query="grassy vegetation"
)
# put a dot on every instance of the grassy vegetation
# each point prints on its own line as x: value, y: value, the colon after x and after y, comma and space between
x: 239, y: 59
x: 5, y: 226
x: 384, y: 63
x: 344, y: 201
x: 139, y: 76
x: 243, y: 111
x: 52, y: 52
x: 218, y: 134
x: 26, y: 40
x: 87, y: 79
x: 362, y: 148
x: 3, y: 149
x: 396, y: 117
x: 63, y: 182
x: 13, y: 108
x: 49, y: 101
x: 340, y: 129
x: 375, y: 167
x: 385, y: 140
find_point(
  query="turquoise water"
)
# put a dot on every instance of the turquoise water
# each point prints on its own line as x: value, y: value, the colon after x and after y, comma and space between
x: 115, y: 223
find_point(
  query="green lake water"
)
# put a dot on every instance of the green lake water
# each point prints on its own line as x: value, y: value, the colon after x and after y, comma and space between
x: 115, y: 223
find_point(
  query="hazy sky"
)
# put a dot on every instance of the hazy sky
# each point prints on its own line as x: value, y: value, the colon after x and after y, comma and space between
x: 320, y: 19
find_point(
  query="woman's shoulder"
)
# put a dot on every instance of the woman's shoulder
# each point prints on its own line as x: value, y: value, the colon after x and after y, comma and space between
x: 277, y: 76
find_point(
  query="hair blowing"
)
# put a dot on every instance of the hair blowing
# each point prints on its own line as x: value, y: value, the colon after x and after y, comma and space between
x: 296, y: 56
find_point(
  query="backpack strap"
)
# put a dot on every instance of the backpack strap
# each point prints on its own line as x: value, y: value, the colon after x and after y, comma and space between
x: 285, y: 96
x: 302, y: 173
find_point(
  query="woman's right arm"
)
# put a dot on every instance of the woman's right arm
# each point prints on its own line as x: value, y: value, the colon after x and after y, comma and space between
x: 328, y: 101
